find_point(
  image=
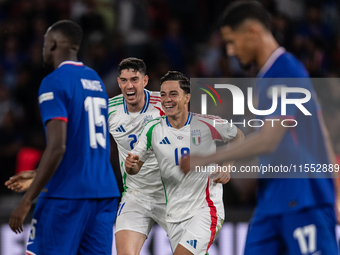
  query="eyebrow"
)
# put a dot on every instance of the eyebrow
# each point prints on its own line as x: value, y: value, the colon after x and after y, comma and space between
x: 130, y: 78
x: 171, y: 91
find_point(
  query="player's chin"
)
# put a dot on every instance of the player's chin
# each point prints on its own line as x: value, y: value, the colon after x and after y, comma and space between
x: 170, y: 112
x: 131, y: 99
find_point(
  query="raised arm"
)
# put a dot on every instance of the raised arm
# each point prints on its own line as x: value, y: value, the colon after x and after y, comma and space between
x: 56, y: 131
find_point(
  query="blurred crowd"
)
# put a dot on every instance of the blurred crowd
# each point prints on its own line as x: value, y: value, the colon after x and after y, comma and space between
x: 169, y: 35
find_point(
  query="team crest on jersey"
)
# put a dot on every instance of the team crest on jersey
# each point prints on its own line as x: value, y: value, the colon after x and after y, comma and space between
x: 196, y: 137
x: 147, y: 119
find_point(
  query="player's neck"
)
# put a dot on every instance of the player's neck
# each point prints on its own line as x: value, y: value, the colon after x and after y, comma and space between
x: 59, y: 58
x: 178, y: 121
x: 268, y: 46
x: 136, y: 107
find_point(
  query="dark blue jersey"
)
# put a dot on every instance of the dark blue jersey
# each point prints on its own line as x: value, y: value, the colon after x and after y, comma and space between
x: 302, y: 144
x: 75, y: 93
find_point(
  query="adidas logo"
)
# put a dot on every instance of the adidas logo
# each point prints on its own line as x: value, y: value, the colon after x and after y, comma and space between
x: 120, y: 129
x: 165, y: 141
x: 192, y: 243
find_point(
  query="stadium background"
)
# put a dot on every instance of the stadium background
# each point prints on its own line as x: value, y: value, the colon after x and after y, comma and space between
x: 169, y: 35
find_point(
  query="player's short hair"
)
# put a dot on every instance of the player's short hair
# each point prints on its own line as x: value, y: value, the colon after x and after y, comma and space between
x: 184, y: 82
x: 135, y: 64
x: 239, y: 11
x: 71, y: 30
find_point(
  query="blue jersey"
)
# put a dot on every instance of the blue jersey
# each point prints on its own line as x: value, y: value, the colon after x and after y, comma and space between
x: 303, y: 144
x: 75, y: 93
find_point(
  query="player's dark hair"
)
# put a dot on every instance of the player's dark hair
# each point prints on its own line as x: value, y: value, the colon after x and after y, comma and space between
x: 135, y: 64
x: 239, y: 11
x: 71, y: 30
x: 183, y: 81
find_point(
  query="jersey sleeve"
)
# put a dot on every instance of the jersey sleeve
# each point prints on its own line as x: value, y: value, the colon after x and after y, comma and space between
x: 144, y: 144
x: 225, y: 129
x: 53, y: 100
x: 220, y: 129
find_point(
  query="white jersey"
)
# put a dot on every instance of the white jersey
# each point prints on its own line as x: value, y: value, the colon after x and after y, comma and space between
x: 185, y: 193
x: 125, y: 128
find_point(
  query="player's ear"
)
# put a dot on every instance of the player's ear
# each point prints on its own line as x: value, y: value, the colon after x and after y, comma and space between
x: 253, y: 30
x: 54, y: 45
x: 187, y: 97
x: 118, y: 80
x: 145, y: 80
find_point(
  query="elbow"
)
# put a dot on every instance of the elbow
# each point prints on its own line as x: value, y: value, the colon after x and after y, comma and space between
x: 58, y: 151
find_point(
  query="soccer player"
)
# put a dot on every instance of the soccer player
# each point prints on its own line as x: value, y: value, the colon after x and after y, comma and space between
x: 195, y: 210
x: 293, y: 216
x: 143, y: 202
x: 79, y: 196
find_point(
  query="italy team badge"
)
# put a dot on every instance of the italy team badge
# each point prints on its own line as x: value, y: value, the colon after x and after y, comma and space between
x: 196, y: 137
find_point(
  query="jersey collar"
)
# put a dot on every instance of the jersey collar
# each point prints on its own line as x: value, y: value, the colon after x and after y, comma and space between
x: 186, y: 123
x: 271, y: 60
x: 146, y: 103
x: 69, y: 62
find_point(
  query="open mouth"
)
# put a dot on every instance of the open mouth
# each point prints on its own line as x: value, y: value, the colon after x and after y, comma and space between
x: 169, y: 107
x: 130, y: 94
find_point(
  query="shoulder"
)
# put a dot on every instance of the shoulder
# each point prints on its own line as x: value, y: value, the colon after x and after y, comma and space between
x: 115, y: 102
x: 155, y: 97
x: 51, y: 82
x: 154, y: 94
x: 150, y: 125
x: 287, y: 66
x: 116, y: 105
x: 207, y: 119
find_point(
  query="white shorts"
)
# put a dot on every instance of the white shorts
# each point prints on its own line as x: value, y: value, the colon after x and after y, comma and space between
x: 197, y: 233
x: 131, y: 215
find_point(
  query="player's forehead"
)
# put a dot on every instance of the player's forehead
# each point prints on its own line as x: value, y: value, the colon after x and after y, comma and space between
x: 129, y: 73
x: 169, y: 86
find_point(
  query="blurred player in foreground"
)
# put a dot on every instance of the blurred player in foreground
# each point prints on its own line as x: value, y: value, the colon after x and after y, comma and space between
x: 293, y: 216
x: 195, y: 210
x: 143, y: 202
x: 77, y: 207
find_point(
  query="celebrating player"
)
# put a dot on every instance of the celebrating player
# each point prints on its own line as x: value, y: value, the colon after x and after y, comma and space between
x: 143, y: 202
x: 195, y: 210
x: 77, y: 207
x: 293, y: 216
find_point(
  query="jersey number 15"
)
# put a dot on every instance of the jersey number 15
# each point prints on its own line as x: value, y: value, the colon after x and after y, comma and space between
x: 93, y: 106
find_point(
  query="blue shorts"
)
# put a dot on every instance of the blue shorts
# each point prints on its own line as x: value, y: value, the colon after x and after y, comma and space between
x: 309, y: 231
x: 72, y: 226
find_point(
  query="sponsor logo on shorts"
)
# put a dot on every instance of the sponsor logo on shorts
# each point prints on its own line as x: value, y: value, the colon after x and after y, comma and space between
x: 192, y: 243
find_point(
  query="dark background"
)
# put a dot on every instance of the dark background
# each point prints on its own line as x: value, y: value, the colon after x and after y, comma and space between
x: 169, y: 35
